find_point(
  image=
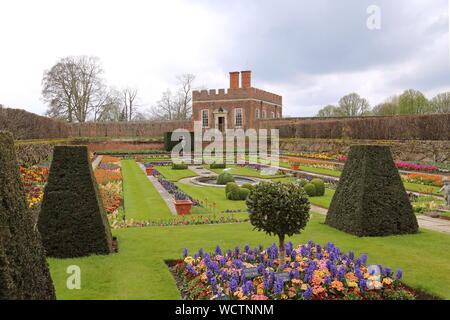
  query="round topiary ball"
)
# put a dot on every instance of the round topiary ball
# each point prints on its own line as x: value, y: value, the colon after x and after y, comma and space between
x: 303, y: 181
x: 310, y: 189
x: 248, y: 186
x: 243, y: 193
x: 230, y: 186
x: 320, y: 186
x: 224, y: 178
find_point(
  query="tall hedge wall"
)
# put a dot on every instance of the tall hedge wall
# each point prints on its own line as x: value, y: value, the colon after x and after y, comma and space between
x: 370, y: 199
x: 24, y: 271
x: 27, y: 125
x: 72, y: 221
x: 410, y: 127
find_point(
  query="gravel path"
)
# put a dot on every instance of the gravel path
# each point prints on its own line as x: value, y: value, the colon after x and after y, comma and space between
x: 167, y: 197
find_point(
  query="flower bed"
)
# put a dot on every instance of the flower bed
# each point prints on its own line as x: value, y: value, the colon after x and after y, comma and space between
x: 323, y: 155
x: 311, y: 272
x: 425, y: 179
x: 192, y: 220
x: 34, y: 179
x: 316, y: 164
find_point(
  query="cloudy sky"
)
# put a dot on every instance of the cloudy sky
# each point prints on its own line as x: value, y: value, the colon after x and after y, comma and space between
x: 310, y: 52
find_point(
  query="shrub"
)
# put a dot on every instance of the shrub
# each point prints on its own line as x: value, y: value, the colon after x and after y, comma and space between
x: 231, y: 186
x: 243, y: 193
x: 320, y: 186
x: 310, y: 189
x: 24, y: 273
x: 248, y: 186
x: 217, y: 166
x: 370, y: 199
x: 224, y: 178
x: 180, y: 166
x: 280, y: 209
x: 303, y: 181
x: 73, y: 222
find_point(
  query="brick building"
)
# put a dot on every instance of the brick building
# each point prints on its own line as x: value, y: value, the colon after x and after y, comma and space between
x: 238, y: 107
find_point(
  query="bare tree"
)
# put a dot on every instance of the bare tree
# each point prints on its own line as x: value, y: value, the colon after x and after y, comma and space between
x: 184, y: 96
x: 71, y: 88
x: 129, y: 101
x: 176, y: 106
x: 327, y: 111
x: 441, y: 103
x: 165, y: 108
x: 353, y: 105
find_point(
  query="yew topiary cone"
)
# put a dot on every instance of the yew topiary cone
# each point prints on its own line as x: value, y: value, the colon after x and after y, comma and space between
x: 72, y: 221
x: 24, y: 270
x: 370, y: 199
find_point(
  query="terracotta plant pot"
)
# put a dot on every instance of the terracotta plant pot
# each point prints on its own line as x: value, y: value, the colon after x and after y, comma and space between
x: 183, y: 207
x: 295, y: 166
x: 149, y: 171
x: 138, y: 159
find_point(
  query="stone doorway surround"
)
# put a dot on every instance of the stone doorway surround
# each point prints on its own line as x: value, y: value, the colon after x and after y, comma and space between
x: 218, y: 113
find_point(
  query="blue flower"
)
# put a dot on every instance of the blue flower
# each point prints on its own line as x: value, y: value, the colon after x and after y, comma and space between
x: 185, y: 252
x: 278, y: 286
x: 364, y: 258
x: 307, y: 294
x: 218, y: 250
x: 399, y: 274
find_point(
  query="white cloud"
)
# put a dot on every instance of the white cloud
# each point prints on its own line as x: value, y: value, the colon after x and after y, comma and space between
x: 312, y: 53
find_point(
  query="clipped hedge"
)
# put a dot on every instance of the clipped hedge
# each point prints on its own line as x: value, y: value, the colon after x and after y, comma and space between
x: 320, y: 187
x: 217, y: 166
x: 24, y: 273
x: 179, y: 166
x: 370, y: 199
x: 73, y: 222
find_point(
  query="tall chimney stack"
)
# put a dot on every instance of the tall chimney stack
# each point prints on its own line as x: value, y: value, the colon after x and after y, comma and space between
x: 246, y: 79
x: 234, y: 80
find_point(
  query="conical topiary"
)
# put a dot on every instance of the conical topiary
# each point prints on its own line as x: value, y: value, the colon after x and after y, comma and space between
x: 72, y: 221
x: 24, y: 270
x: 370, y: 199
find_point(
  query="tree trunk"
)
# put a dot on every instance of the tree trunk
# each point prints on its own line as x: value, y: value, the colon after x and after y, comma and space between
x: 281, y: 253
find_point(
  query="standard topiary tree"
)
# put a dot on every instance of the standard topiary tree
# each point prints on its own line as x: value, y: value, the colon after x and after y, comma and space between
x: 280, y: 209
x: 73, y: 222
x: 370, y: 199
x: 310, y: 189
x: 224, y: 178
x: 24, y: 273
x: 320, y: 186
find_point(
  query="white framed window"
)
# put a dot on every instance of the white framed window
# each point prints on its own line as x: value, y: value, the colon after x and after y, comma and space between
x: 264, y: 115
x: 238, y: 117
x: 278, y: 115
x: 205, y: 118
x: 258, y: 113
x: 272, y: 114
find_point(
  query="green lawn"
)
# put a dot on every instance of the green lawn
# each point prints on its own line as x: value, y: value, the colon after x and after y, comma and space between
x: 138, y: 270
x: 142, y: 200
x: 175, y: 175
x: 213, y: 194
x: 239, y: 171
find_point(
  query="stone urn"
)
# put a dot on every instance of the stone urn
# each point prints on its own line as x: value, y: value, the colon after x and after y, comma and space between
x: 149, y: 171
x: 183, y: 207
x: 295, y: 166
